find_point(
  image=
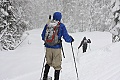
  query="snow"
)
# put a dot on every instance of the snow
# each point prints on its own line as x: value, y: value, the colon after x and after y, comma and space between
x: 100, y: 62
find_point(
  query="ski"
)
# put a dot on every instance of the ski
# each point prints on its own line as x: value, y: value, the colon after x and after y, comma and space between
x: 21, y: 41
x: 49, y: 78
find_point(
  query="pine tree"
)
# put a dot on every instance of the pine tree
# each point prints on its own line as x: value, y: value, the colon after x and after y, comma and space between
x: 11, y: 27
x: 115, y: 28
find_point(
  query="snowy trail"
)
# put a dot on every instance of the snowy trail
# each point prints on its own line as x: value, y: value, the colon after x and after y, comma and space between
x: 28, y: 76
x: 99, y: 63
x: 102, y: 64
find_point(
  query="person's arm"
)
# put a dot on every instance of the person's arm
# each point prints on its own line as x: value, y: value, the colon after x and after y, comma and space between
x: 88, y: 41
x: 80, y: 44
x: 66, y: 36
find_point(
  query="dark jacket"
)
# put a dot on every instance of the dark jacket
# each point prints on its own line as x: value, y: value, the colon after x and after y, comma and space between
x: 84, y: 43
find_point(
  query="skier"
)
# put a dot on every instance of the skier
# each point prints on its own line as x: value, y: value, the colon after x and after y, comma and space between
x: 84, y: 44
x: 53, y: 53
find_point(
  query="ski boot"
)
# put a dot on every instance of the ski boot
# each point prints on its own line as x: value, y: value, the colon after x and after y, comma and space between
x: 45, y: 76
x: 56, y: 74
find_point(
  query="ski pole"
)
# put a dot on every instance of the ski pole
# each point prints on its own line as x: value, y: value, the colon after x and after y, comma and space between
x: 74, y: 61
x: 42, y: 69
x: 77, y: 52
x: 45, y: 55
x: 63, y: 52
x: 62, y: 49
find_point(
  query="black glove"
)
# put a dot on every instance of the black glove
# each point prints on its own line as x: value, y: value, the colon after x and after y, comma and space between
x: 72, y: 38
x: 89, y: 41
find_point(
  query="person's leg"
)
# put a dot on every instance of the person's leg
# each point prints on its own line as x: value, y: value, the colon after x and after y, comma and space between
x: 49, y: 56
x: 48, y: 63
x: 56, y: 74
x: 57, y: 59
x: 84, y: 49
x: 47, y: 67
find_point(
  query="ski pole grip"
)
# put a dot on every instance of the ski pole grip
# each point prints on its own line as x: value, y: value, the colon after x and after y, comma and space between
x: 49, y: 16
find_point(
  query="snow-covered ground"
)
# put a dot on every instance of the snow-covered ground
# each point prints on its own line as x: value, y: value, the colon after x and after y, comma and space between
x: 100, y: 62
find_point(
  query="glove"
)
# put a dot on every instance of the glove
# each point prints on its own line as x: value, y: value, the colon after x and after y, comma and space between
x: 89, y: 41
x: 72, y: 39
x: 78, y: 47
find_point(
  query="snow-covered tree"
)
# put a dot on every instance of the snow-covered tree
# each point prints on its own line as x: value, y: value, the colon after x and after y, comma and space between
x: 88, y: 15
x: 115, y: 27
x: 11, y: 26
x: 78, y: 15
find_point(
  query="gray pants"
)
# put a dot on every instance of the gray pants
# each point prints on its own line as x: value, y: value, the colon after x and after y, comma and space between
x: 54, y: 58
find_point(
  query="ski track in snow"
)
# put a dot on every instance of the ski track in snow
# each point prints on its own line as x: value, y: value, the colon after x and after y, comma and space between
x: 101, y: 62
